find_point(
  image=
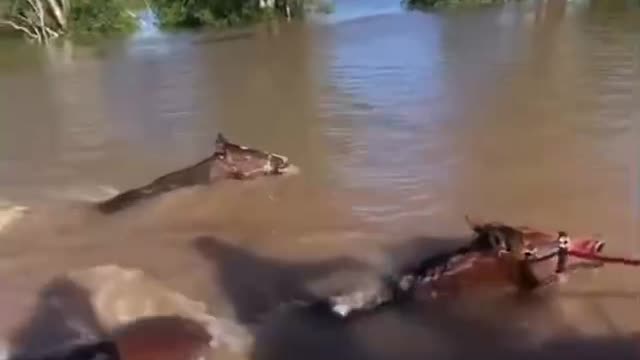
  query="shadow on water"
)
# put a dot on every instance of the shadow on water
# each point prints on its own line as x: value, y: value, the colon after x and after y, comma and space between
x: 64, y: 314
x: 417, y: 331
x: 66, y: 326
x: 412, y: 251
x: 256, y: 285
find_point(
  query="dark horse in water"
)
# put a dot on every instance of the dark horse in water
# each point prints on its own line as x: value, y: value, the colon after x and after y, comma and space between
x: 499, y: 258
x: 228, y: 161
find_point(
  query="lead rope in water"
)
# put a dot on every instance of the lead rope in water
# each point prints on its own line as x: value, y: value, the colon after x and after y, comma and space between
x: 564, y: 252
x: 604, y: 259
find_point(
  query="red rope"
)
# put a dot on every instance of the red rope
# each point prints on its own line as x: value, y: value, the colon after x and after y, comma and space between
x: 605, y: 259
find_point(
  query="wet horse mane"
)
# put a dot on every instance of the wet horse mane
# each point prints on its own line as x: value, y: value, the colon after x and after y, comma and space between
x: 488, y: 237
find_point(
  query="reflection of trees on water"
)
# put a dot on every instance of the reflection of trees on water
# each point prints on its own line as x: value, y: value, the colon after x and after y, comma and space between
x: 612, y: 5
x: 549, y: 11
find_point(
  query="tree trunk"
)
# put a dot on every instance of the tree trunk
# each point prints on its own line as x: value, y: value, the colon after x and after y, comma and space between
x: 58, y: 13
x: 39, y: 20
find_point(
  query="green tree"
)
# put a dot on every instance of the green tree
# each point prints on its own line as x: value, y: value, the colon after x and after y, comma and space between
x: 91, y: 17
x: 194, y: 13
x: 42, y: 20
x: 220, y: 13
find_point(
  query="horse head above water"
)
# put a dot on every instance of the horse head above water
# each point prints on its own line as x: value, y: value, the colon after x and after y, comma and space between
x: 524, y: 242
x: 244, y: 162
x: 526, y: 257
x: 228, y: 161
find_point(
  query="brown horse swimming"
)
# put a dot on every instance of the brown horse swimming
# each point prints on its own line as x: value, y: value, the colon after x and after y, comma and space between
x: 499, y: 258
x: 228, y: 161
x: 536, y: 259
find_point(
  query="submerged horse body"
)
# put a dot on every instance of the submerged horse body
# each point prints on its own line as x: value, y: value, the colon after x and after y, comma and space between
x: 499, y: 258
x: 228, y: 161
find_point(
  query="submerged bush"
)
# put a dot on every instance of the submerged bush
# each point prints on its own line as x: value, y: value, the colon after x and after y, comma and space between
x: 101, y: 17
x: 221, y: 13
x: 194, y: 13
x: 42, y: 20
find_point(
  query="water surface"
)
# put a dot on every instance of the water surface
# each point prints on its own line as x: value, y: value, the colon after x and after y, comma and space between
x: 401, y: 121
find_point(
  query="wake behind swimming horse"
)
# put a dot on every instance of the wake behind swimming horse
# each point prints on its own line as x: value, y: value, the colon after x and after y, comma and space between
x: 229, y: 161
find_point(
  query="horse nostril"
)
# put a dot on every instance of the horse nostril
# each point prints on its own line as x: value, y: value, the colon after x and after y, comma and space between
x: 281, y: 167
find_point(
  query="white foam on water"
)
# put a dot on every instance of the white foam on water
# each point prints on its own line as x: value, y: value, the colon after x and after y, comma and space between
x: 10, y: 213
x: 122, y: 295
x: 91, y: 193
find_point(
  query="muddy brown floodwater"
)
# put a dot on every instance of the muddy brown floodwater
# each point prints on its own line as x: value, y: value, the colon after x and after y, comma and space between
x: 402, y: 123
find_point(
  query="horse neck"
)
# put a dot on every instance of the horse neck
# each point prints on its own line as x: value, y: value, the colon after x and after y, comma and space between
x: 218, y: 169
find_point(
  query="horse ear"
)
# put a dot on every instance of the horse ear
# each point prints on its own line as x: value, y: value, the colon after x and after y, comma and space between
x: 221, y: 139
x: 473, y: 223
x: 221, y: 142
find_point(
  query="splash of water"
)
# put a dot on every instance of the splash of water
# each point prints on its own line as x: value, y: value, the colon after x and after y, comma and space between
x: 122, y: 295
x: 91, y: 193
x: 9, y: 214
